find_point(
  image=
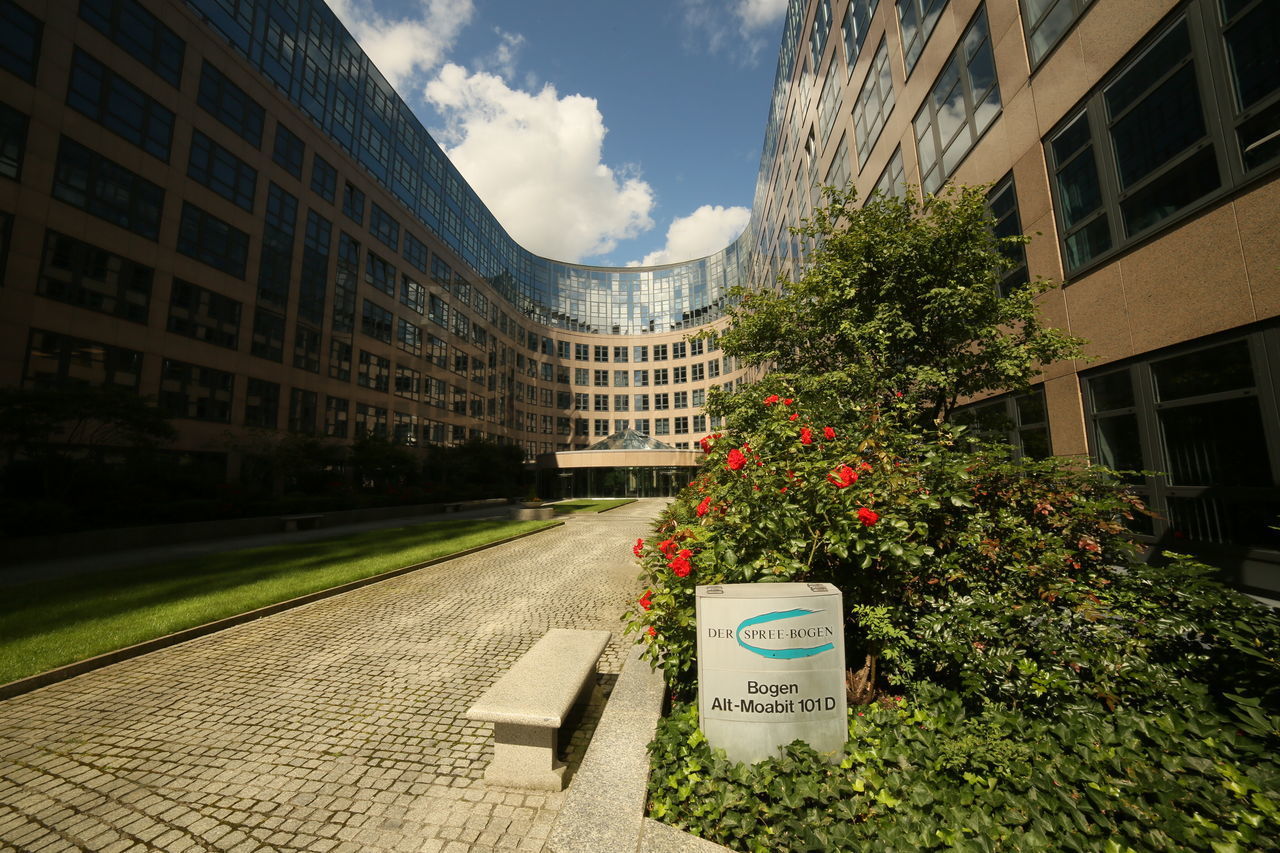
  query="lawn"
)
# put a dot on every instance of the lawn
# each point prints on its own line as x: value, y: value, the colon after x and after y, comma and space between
x: 590, y: 506
x: 50, y: 623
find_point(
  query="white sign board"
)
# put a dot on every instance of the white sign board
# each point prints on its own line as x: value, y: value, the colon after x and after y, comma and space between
x: 771, y: 668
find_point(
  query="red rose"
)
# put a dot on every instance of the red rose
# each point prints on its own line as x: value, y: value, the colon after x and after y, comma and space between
x: 787, y: 402
x: 703, y: 507
x: 736, y: 459
x: 867, y: 517
x: 680, y: 566
x: 644, y: 599
x: 806, y: 435
x: 865, y: 466
x: 653, y: 632
x: 842, y: 477
x: 771, y: 399
x: 828, y: 433
x: 705, y: 444
x: 794, y: 415
x: 782, y: 491
x: 638, y: 548
x: 667, y: 547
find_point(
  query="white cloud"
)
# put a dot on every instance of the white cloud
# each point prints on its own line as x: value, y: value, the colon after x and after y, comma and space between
x: 743, y: 32
x: 403, y: 47
x: 535, y: 160
x: 708, y: 229
x: 502, y: 60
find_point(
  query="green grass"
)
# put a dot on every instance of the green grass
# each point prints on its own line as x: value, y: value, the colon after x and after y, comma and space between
x: 50, y: 623
x: 589, y: 506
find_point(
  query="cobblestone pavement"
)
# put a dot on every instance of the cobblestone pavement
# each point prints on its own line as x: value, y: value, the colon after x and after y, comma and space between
x: 336, y: 726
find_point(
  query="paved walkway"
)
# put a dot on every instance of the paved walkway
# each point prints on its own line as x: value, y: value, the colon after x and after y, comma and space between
x: 332, y: 727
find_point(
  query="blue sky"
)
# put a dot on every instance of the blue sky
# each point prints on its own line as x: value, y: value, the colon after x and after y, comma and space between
x: 597, y: 131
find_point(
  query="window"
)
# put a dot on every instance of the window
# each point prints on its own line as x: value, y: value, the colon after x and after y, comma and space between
x: 581, y: 402
x: 412, y: 295
x: 289, y: 151
x: 13, y: 141
x: 20, y: 41
x: 221, y: 171
x: 581, y: 376
x: 104, y: 188
x: 261, y: 403
x: 370, y: 420
x: 600, y: 427
x: 600, y: 402
x: 306, y: 348
x: 373, y: 371
x: 336, y: 411
x: 302, y: 411
x: 695, y: 347
x: 601, y: 378
x: 620, y: 378
x: 699, y: 397
x: 601, y: 353
x: 268, y: 335
x: 230, y: 104
x: 324, y: 178
x: 406, y: 429
x: 682, y: 425
x: 204, y: 315
x: 408, y: 336
x: 621, y: 402
x: 208, y: 239
x: 698, y: 372
x: 195, y: 392
x: 874, y: 104
x: 679, y: 375
x: 376, y: 322
x: 580, y: 352
x: 1191, y: 117
x: 620, y: 354
x: 379, y: 274
x: 659, y: 352
x: 1046, y: 21
x: 1019, y: 420
x: 384, y: 227
x: 678, y: 350
x: 661, y: 402
x: 642, y: 426
x: 660, y: 376
x: 641, y: 378
x: 315, y: 268
x: 857, y: 21
x: 1206, y: 416
x: 963, y: 103
x: 829, y: 103
x: 415, y: 252
x: 893, y: 180
x: 82, y: 274
x: 713, y: 368
x: 119, y: 106
x: 641, y: 353
x: 340, y: 359
x: 353, y: 203
x: 275, y: 267
x: 562, y: 349
x: 1003, y: 200
x: 641, y: 402
x: 408, y: 383
x: 680, y: 400
x: 139, y: 32
x: 699, y: 423
x: 818, y: 34
x: 662, y: 426
x: 437, y: 310
x: 917, y: 19
x: 59, y: 360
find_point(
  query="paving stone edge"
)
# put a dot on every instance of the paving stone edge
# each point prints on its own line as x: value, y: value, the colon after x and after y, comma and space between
x: 62, y: 673
x: 605, y: 804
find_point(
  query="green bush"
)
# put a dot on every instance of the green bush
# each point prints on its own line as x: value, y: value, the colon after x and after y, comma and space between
x: 925, y: 774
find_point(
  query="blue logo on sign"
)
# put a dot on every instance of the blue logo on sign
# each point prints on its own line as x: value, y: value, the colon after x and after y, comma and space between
x: 781, y: 654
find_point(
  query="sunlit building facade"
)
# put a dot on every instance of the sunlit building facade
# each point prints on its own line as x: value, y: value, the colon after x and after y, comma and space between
x: 222, y: 204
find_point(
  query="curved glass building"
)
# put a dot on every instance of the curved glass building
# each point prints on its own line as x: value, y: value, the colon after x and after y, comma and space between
x: 224, y: 205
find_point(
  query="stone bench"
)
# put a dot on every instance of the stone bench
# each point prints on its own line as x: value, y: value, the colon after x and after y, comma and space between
x: 529, y: 703
x: 311, y: 521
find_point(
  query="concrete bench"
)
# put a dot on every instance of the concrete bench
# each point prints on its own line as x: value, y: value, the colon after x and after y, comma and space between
x: 528, y: 704
x: 306, y: 521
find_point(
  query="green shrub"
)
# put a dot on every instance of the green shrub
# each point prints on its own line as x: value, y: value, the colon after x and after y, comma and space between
x: 923, y: 774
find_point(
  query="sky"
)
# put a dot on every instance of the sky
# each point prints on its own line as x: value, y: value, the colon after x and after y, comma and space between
x: 597, y: 131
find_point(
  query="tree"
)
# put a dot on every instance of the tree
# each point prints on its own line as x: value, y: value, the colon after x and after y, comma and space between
x: 51, y: 421
x: 900, y: 298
